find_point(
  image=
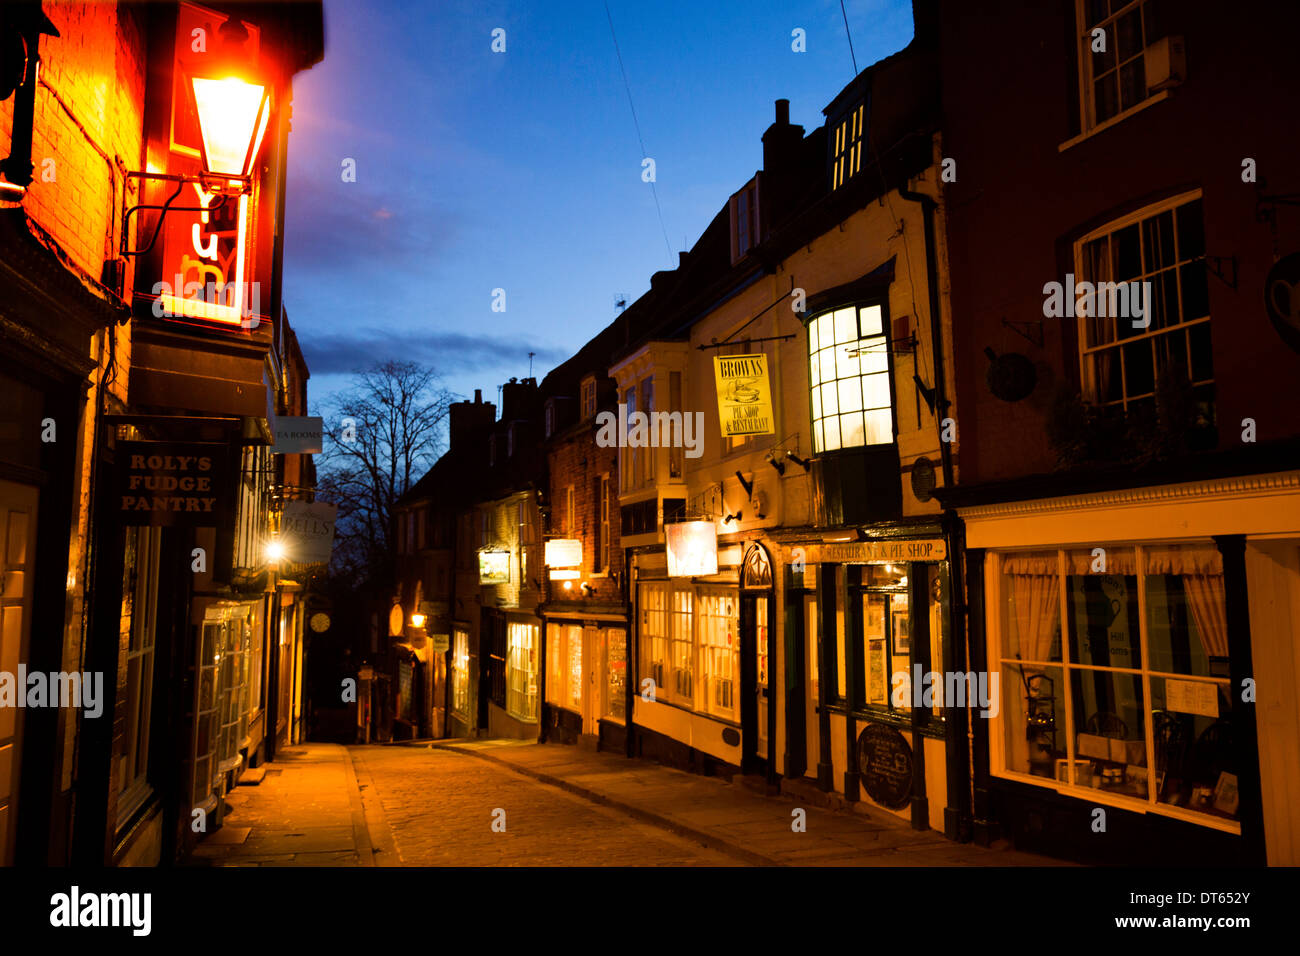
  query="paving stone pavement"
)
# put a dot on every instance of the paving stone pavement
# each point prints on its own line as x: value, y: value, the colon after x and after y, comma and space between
x: 434, y: 804
x: 307, y: 811
x: 439, y: 806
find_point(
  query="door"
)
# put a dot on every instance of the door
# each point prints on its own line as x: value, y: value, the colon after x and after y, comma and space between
x: 17, y: 552
x: 755, y: 675
x: 593, y: 682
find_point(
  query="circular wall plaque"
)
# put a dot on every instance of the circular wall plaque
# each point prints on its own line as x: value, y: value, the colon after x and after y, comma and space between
x: 885, y: 765
x: 320, y: 622
x: 730, y: 736
x: 1010, y: 376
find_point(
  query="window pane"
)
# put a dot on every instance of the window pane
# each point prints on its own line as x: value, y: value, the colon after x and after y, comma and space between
x: 1195, y: 762
x: 1033, y: 710
x: 851, y: 430
x: 1158, y: 241
x: 1138, y: 370
x: 818, y: 444
x: 871, y: 318
x: 846, y: 361
x: 812, y: 337
x: 1110, y: 730
x: 1103, y: 607
x: 1128, y: 29
x: 1103, y: 59
x: 874, y: 357
x: 830, y: 399
x: 1031, y: 602
x: 817, y: 402
x: 875, y: 391
x: 846, y: 327
x: 1110, y: 385
x: 1132, y: 83
x: 1127, y: 249
x: 1187, y: 631
x: 831, y: 433
x: 1106, y: 91
x: 879, y: 427
x: 850, y: 394
x: 814, y: 371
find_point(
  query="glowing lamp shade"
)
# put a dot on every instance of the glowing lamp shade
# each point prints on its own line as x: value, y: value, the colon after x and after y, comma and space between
x: 275, y: 550
x: 417, y: 619
x: 232, y: 120
x: 692, y: 548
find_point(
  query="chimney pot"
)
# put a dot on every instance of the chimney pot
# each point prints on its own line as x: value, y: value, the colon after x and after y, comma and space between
x: 783, y: 112
x: 478, y: 396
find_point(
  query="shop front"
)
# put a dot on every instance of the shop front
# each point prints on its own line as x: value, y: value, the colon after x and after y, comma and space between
x: 1140, y: 635
x: 586, y: 678
x: 686, y: 705
x: 867, y: 640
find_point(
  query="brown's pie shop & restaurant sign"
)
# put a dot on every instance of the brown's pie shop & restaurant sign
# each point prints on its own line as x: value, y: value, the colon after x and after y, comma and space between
x: 174, y: 484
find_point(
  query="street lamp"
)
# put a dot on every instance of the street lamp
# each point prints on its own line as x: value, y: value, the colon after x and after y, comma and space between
x: 417, y: 619
x: 275, y: 551
x: 232, y: 114
x: 232, y: 104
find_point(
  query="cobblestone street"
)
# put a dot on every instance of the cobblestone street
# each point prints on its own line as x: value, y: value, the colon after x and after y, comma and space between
x: 422, y: 805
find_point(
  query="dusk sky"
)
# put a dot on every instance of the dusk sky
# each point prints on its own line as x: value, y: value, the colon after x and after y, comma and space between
x: 522, y: 170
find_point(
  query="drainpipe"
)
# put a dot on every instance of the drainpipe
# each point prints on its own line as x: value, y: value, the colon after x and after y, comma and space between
x: 957, y: 815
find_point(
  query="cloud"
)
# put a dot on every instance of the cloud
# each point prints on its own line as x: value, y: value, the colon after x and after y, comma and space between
x: 451, y: 353
x: 333, y: 226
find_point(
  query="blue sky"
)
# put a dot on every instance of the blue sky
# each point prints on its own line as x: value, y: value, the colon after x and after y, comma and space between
x: 521, y: 170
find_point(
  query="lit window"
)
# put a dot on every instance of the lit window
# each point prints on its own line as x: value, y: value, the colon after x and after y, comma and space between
x: 1123, y: 364
x: 588, y: 398
x: 460, y: 673
x: 848, y: 357
x: 1112, y: 65
x: 1098, y: 667
x: 846, y: 158
x: 521, y: 672
x: 718, y: 628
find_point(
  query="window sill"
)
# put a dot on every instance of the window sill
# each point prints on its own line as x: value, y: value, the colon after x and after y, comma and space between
x: 1132, y: 804
x: 1113, y: 121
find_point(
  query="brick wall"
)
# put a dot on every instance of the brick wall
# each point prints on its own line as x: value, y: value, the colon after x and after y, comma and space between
x: 578, y: 461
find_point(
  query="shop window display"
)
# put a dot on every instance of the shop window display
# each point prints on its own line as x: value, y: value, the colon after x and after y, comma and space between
x: 1138, y: 705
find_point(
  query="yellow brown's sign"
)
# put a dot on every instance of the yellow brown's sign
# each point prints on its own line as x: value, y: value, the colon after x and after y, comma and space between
x: 171, y: 483
x: 744, y: 395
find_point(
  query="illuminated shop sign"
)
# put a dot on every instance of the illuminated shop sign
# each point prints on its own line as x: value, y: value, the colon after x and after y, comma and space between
x: 563, y: 553
x: 692, y: 548
x: 494, y: 567
x: 744, y: 396
x: 219, y: 118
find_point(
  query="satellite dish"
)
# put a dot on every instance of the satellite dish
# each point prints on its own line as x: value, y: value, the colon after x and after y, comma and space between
x: 1010, y: 376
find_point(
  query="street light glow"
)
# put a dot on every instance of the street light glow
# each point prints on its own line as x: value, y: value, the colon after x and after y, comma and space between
x: 232, y: 119
x: 275, y: 550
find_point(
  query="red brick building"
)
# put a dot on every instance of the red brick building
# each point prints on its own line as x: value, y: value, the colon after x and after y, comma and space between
x: 1128, y: 483
x: 108, y: 373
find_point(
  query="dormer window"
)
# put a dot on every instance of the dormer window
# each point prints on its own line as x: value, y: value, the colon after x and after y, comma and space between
x: 588, y: 397
x: 745, y: 234
x: 847, y: 134
x: 550, y: 418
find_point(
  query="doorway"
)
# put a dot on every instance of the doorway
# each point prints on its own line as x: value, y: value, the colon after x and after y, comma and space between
x: 755, y: 671
x: 17, y: 551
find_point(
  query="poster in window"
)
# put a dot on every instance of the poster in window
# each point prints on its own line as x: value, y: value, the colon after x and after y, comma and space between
x: 902, y: 632
x: 877, y: 692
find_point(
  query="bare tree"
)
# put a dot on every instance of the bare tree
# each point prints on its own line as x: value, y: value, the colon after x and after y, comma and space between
x: 381, y: 435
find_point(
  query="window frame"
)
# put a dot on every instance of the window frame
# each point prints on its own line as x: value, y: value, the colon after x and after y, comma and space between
x: 845, y: 137
x: 587, y: 397
x: 1088, y: 122
x: 887, y: 344
x: 1087, y: 376
x: 521, y: 696
x: 1066, y: 666
x: 460, y: 672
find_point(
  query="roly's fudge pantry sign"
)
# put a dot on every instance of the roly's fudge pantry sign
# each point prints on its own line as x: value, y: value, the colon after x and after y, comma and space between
x: 166, y: 483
